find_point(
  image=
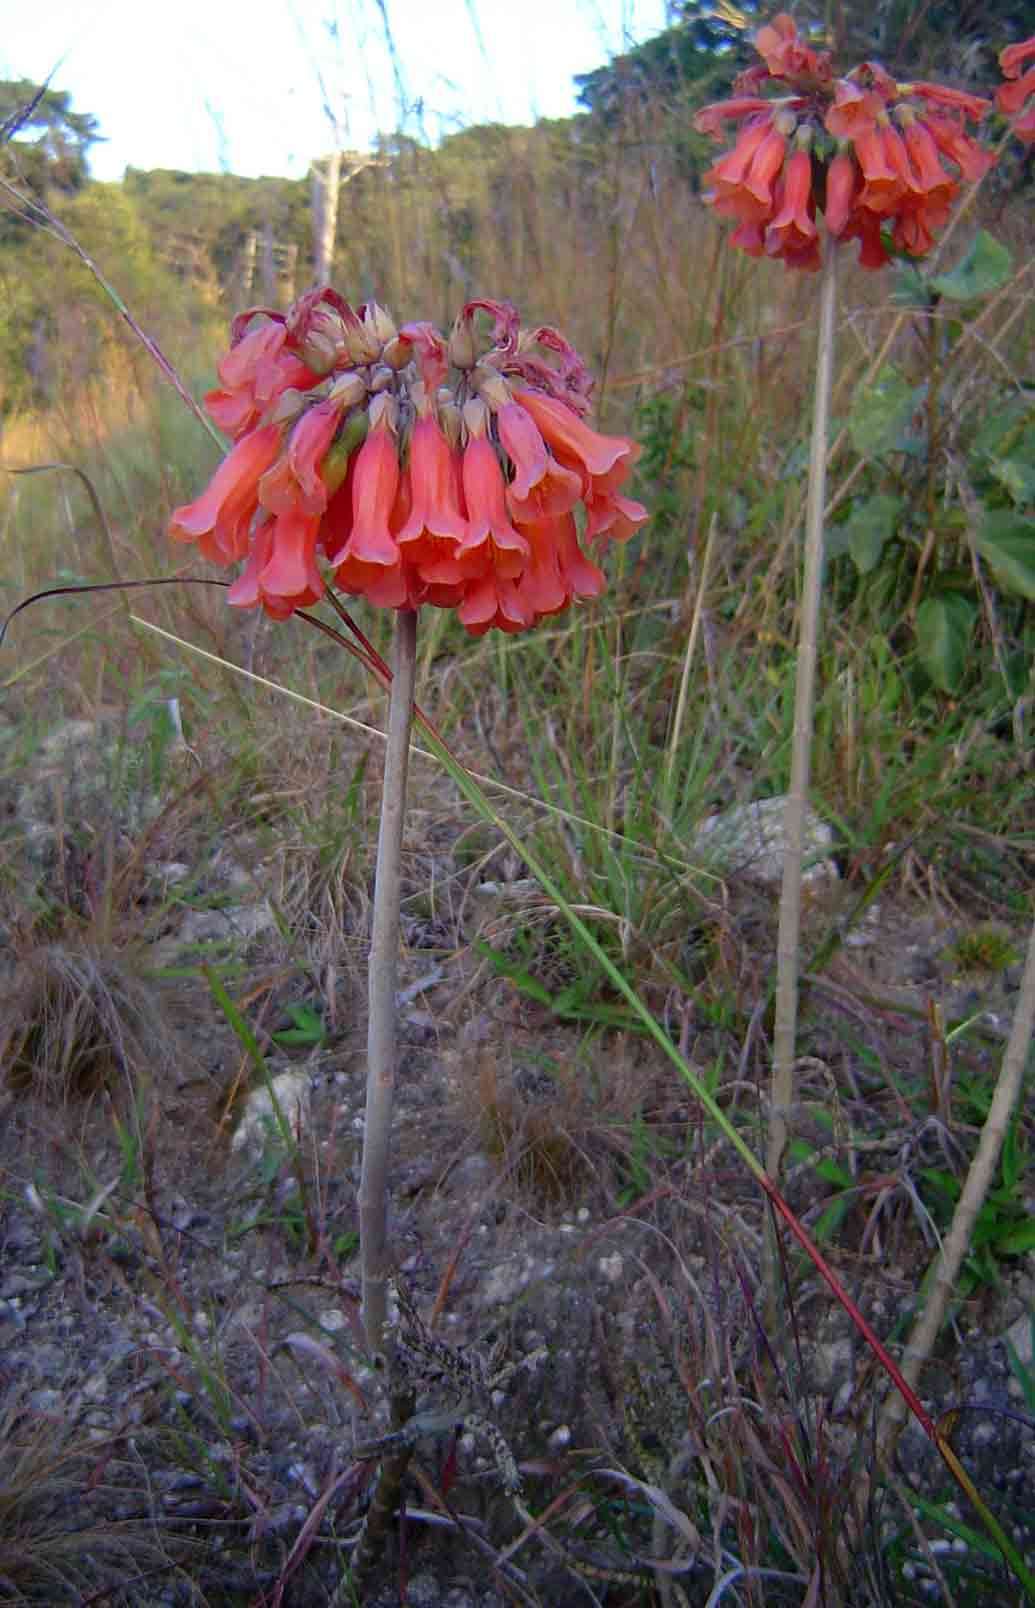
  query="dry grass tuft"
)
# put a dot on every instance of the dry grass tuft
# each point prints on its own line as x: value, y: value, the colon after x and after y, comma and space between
x: 531, y: 1138
x: 55, y: 1533
x: 76, y: 1019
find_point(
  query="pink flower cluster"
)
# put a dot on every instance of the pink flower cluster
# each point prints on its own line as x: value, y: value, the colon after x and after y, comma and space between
x: 406, y: 468
x: 873, y: 154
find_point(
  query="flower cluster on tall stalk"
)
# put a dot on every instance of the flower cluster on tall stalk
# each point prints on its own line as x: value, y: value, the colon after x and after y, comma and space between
x: 409, y: 469
x: 882, y: 160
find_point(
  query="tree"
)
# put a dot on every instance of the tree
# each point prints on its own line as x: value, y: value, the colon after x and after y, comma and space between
x: 47, y: 144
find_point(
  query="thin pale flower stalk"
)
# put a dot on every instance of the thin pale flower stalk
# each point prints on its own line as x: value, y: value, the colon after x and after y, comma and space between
x: 782, y: 1091
x: 383, y: 974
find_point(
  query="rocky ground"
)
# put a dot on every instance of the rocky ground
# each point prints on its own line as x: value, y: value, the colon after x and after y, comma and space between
x: 181, y: 1380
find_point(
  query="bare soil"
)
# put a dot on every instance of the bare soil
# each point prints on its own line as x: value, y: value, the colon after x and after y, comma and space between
x: 181, y: 1319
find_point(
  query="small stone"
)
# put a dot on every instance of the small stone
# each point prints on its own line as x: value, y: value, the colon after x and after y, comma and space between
x: 44, y: 1401
x: 612, y: 1267
x: 291, y: 1090
x: 749, y: 838
x: 423, y: 1592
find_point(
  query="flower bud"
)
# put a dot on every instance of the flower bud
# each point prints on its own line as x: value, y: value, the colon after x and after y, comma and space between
x: 380, y: 323
x: 462, y: 352
x: 476, y: 416
x: 381, y: 377
x: 449, y: 418
x: 288, y: 407
x: 335, y: 465
x: 397, y: 353
x: 349, y: 390
x: 384, y: 408
x: 362, y: 344
x: 490, y: 384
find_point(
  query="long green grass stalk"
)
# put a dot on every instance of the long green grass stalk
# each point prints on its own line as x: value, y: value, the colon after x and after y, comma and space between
x: 668, y: 781
x: 789, y: 938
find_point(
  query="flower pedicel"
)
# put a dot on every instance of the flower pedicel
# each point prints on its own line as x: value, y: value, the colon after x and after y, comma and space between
x: 408, y: 469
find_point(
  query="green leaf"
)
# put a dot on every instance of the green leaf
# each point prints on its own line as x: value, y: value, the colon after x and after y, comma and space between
x: 503, y: 966
x: 1016, y: 477
x: 986, y: 267
x: 1017, y: 1241
x: 1002, y: 424
x: 1007, y: 541
x: 943, y: 630
x: 909, y: 287
x: 865, y: 531
x: 832, y: 1216
x: 243, y: 1033
x: 879, y: 420
x: 308, y: 1027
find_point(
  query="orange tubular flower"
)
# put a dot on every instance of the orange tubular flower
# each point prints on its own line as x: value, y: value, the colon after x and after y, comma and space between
x: 289, y: 578
x: 792, y: 234
x: 494, y: 601
x: 294, y: 481
x: 1014, y: 96
x: 485, y: 493
x: 407, y: 469
x: 888, y: 166
x: 374, y: 488
x: 742, y: 181
x: 608, y: 513
x: 571, y: 440
x: 882, y: 186
x: 219, y: 519
x: 842, y: 192
x: 520, y: 439
x: 435, y: 526
x: 557, y: 570
x: 255, y: 373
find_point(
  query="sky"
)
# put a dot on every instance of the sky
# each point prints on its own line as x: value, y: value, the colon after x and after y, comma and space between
x: 235, y: 85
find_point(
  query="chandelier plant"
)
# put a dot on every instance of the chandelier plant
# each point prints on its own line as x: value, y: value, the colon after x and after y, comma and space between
x: 407, y: 469
x: 882, y: 160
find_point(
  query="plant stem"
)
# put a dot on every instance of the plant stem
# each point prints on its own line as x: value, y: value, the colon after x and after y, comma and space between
x: 384, y: 960
x: 947, y: 1263
x: 789, y: 938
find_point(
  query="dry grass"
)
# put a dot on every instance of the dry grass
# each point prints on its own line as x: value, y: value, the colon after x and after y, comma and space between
x: 79, y: 1019
x: 58, y: 1534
